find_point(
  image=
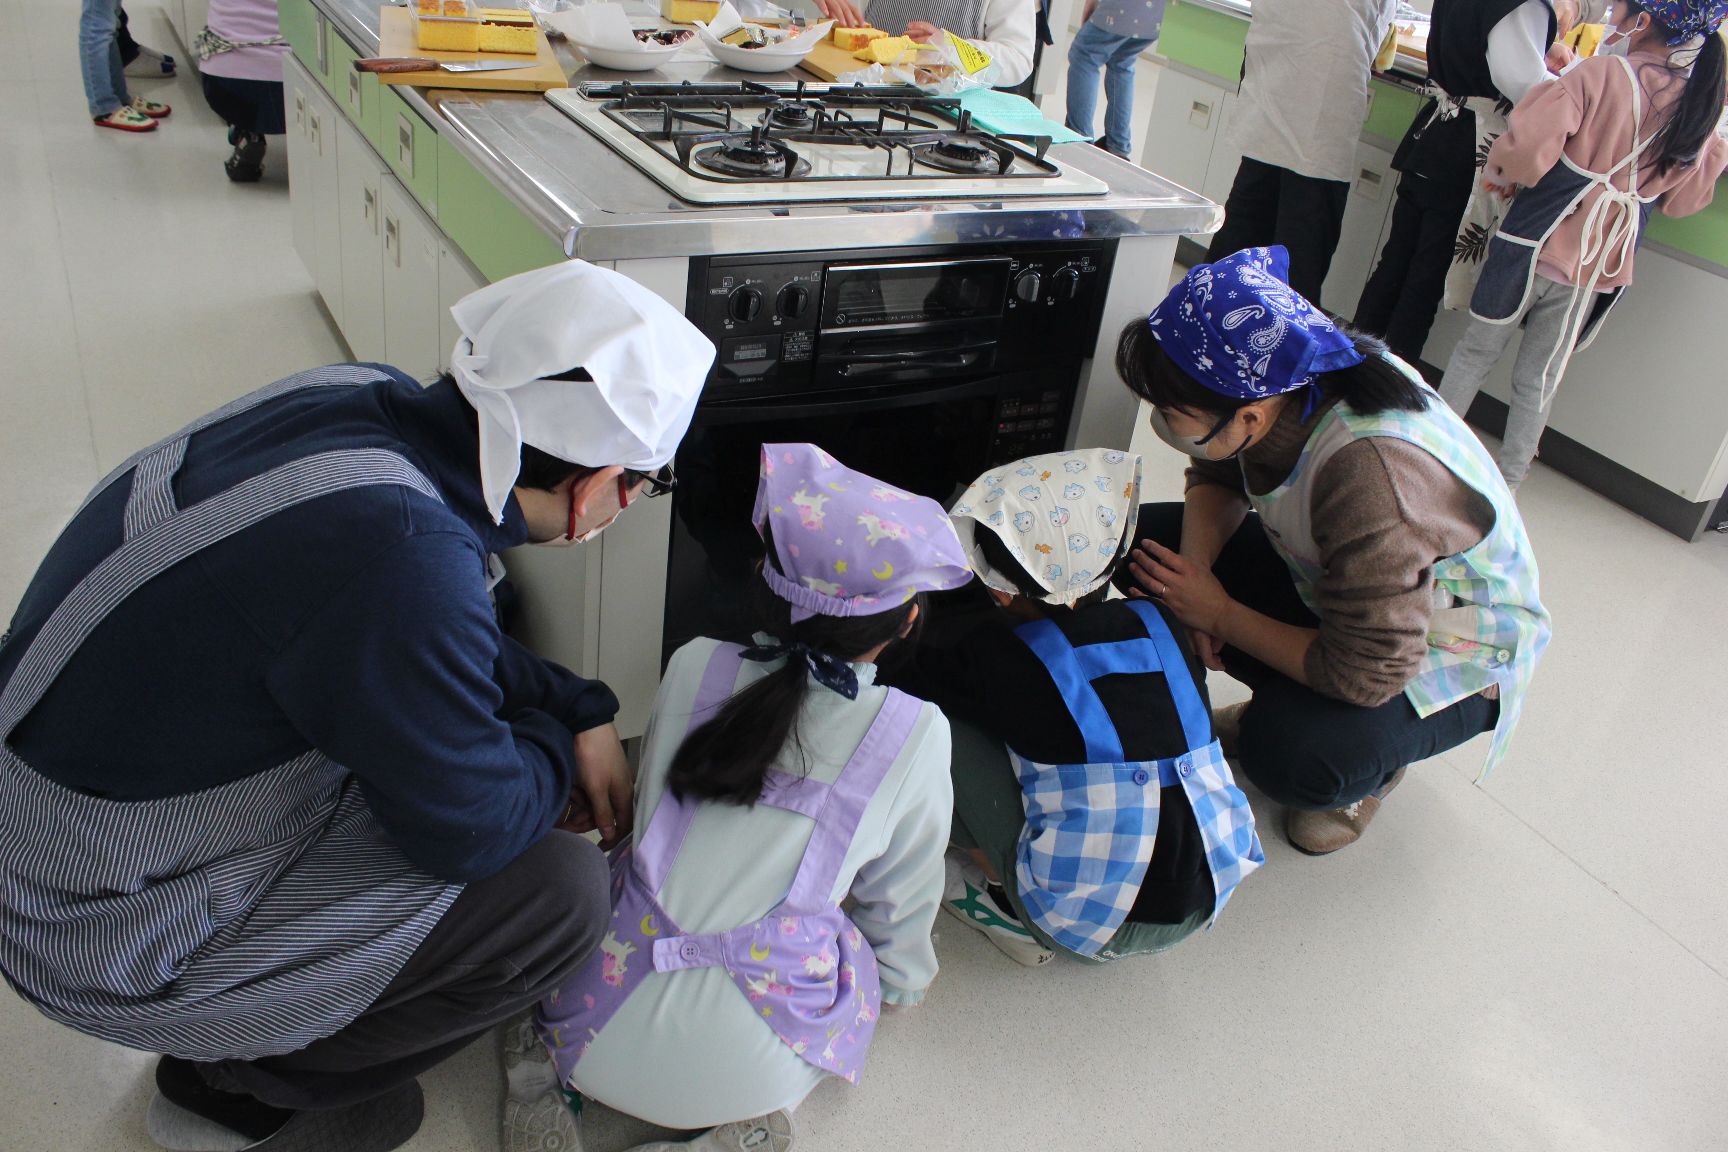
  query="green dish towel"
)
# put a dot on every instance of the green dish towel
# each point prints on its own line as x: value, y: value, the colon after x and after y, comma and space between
x: 1013, y: 115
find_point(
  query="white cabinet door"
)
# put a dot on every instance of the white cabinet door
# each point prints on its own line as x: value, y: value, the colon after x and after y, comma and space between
x: 322, y: 119
x: 360, y: 189
x: 297, y: 88
x: 411, y: 330
x: 1180, y: 135
x: 1365, y: 215
x: 1226, y: 157
x: 456, y: 278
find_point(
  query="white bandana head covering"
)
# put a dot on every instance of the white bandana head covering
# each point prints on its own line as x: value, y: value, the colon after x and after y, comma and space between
x: 1067, y: 517
x: 647, y: 361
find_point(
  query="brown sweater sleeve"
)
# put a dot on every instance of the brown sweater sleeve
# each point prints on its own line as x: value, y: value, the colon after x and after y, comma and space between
x: 1225, y: 474
x: 1384, y: 513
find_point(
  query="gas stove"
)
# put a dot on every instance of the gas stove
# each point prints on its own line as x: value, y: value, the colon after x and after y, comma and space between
x: 752, y: 143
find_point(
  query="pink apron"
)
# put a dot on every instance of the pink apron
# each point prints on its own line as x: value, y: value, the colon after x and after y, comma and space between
x: 805, y: 966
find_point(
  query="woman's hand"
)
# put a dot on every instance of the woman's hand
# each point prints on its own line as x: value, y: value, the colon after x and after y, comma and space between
x: 1188, y: 589
x: 1560, y: 57
x: 605, y: 786
x: 923, y: 31
x: 842, y: 12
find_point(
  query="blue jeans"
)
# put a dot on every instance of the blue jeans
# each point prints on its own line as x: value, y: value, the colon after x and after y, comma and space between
x: 99, y: 53
x: 1094, y: 48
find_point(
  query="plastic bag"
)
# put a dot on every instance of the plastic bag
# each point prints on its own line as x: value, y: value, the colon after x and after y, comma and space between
x: 947, y: 67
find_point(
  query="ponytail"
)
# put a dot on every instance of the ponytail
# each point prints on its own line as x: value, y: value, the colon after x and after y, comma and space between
x: 1694, y: 116
x: 727, y: 758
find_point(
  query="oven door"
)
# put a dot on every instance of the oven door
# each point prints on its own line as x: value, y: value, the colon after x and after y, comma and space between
x: 933, y: 441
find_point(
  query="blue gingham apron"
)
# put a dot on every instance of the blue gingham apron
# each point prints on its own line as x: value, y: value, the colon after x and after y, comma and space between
x: 1090, y: 828
x: 239, y: 921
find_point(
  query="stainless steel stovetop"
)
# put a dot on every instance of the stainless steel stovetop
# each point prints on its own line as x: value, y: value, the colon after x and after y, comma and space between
x: 754, y: 143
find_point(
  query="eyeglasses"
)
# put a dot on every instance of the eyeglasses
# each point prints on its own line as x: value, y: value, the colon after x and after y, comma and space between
x: 660, y: 483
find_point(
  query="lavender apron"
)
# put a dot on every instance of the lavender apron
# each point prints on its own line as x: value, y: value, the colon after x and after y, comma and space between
x: 805, y: 965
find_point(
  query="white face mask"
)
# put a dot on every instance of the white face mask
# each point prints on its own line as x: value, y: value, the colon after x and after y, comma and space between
x: 1194, y: 446
x: 1618, y: 43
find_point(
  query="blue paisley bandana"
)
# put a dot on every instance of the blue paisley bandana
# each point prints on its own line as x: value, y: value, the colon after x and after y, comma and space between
x: 1238, y: 327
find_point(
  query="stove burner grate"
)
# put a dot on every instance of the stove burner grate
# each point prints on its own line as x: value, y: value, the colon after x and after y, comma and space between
x: 755, y: 155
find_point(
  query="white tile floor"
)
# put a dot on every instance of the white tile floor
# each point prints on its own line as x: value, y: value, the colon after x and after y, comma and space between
x: 1537, y: 963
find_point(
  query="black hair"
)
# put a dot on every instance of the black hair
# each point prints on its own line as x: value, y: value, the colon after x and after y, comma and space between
x: 727, y: 758
x: 1692, y: 120
x: 1374, y: 385
x: 538, y: 469
x: 996, y: 554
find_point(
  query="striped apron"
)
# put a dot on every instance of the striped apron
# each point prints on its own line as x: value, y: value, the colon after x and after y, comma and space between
x: 241, y: 921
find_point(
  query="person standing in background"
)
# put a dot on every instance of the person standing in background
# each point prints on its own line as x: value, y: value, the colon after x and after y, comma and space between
x: 1483, y: 56
x: 1112, y: 37
x: 140, y: 62
x: 1629, y: 131
x: 240, y: 51
x: 1304, y: 100
x: 111, y: 105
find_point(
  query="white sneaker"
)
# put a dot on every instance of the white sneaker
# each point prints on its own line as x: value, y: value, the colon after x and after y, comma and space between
x: 770, y: 1133
x: 965, y: 897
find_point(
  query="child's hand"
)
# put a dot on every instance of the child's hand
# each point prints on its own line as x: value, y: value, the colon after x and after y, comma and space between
x: 1506, y: 191
x: 1560, y: 57
x: 923, y: 31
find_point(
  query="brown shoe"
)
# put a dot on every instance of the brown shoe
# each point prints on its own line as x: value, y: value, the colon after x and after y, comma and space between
x: 1319, y: 833
x: 1227, y: 727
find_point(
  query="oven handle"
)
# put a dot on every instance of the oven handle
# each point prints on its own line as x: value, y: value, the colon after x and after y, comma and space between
x: 892, y: 362
x: 722, y: 412
x: 962, y: 357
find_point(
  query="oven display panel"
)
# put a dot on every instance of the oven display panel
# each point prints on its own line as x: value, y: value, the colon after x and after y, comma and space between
x: 870, y: 295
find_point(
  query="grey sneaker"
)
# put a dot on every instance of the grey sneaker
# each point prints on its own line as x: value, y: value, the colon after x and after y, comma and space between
x: 770, y: 1133
x: 535, y: 1116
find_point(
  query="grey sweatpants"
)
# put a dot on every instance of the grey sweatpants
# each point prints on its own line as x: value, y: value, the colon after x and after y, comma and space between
x: 1537, y: 370
x: 506, y: 942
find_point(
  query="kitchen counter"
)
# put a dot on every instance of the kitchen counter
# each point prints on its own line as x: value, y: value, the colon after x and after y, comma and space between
x: 600, y: 206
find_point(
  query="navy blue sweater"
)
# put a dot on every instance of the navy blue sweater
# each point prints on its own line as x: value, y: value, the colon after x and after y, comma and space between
x: 358, y: 624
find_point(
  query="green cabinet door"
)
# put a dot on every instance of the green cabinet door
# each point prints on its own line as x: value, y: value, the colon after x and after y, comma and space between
x: 410, y: 146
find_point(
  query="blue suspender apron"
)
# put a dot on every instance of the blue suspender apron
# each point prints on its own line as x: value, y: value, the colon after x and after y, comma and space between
x: 805, y: 966
x: 240, y: 921
x: 1091, y: 828
x: 1612, y: 226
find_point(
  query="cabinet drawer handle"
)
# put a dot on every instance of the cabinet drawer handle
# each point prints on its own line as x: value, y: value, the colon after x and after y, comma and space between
x: 371, y: 208
x: 300, y: 110
x: 354, y: 93
x: 393, y: 240
x: 405, y: 144
x: 1200, y: 114
x: 1369, y: 183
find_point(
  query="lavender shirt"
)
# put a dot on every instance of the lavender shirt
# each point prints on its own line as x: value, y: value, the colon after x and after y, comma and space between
x: 245, y: 20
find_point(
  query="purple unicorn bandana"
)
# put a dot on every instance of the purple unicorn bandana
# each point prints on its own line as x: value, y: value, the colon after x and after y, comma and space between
x: 849, y: 545
x: 1238, y: 327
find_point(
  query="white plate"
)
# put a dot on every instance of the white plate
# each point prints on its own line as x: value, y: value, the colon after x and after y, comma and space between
x: 770, y: 59
x: 627, y: 60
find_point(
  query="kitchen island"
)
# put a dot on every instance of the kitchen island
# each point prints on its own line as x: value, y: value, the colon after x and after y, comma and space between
x: 404, y: 199
x: 1642, y: 416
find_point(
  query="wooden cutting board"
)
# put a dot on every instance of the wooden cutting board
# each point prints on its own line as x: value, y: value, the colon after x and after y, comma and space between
x: 539, y: 72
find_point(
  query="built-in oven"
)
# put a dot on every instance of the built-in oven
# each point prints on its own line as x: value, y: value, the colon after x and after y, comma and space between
x: 922, y: 368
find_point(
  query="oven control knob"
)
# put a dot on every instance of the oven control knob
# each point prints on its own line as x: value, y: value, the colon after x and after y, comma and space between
x: 744, y: 304
x: 1028, y: 286
x: 794, y: 298
x: 1067, y: 283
